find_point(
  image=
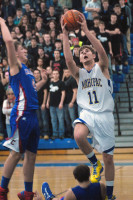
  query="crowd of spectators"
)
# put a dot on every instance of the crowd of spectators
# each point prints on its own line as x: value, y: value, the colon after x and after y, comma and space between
x: 36, y: 24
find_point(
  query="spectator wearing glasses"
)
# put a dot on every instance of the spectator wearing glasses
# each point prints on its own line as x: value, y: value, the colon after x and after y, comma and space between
x: 7, y: 108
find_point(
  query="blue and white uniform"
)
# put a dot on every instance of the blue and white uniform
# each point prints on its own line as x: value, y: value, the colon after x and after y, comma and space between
x: 23, y: 120
x: 95, y: 98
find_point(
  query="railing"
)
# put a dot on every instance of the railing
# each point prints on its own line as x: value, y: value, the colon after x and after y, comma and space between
x: 117, y: 103
x: 129, y: 98
x: 117, y: 114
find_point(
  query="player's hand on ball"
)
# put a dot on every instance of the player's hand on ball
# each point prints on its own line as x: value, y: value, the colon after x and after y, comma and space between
x: 83, y: 22
x: 63, y: 26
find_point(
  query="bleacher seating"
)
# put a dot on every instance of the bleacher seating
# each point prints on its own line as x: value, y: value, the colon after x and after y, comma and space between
x: 130, y: 60
x: 131, y: 44
x: 131, y: 36
x: 119, y: 78
x: 116, y: 87
x: 132, y: 51
x: 126, y: 69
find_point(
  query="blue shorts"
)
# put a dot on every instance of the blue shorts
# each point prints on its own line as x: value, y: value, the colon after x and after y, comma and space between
x: 25, y: 132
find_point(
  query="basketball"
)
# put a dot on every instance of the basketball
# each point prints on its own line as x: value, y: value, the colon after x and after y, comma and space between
x: 70, y: 18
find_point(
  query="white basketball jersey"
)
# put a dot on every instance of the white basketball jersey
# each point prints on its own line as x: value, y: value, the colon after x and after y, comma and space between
x: 95, y: 91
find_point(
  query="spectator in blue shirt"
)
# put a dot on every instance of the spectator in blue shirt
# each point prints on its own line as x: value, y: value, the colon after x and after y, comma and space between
x: 18, y: 16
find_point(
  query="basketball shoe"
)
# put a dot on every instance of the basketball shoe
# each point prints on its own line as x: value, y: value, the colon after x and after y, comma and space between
x: 113, y: 198
x: 46, y: 191
x: 3, y: 193
x: 24, y: 195
x: 96, y: 172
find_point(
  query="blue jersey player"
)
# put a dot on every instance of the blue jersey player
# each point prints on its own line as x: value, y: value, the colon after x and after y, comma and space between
x: 24, y: 123
x: 85, y: 190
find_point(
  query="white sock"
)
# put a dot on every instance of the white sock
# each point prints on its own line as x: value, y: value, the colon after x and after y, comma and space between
x: 109, y: 183
x: 90, y: 154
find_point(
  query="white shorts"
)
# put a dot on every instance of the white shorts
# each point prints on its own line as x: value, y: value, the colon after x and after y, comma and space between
x: 101, y: 127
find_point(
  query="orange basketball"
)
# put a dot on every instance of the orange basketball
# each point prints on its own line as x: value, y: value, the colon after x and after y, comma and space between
x: 70, y: 18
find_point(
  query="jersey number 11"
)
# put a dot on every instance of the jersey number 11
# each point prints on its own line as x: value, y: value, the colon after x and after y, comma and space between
x: 95, y: 97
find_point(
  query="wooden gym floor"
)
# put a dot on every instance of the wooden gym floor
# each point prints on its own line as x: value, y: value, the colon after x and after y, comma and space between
x: 56, y: 166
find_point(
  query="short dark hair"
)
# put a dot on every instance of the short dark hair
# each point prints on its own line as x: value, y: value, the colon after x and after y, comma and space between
x: 28, y: 30
x: 33, y: 38
x: 102, y: 22
x: 24, y: 47
x: 32, y: 10
x: 41, y: 48
x: 10, y: 16
x: 88, y: 47
x: 19, y: 9
x: 105, y: 1
x: 96, y: 18
x: 113, y: 14
x: 57, y: 50
x: 5, y: 58
x: 81, y: 173
x: 37, y: 70
x: 51, y: 6
x: 56, y: 70
x: 16, y: 44
x: 58, y: 40
x: 117, y: 5
x: 76, y: 46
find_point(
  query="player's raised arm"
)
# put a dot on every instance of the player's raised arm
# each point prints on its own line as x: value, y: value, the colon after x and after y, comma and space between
x: 12, y: 59
x: 68, y: 54
x: 103, y: 59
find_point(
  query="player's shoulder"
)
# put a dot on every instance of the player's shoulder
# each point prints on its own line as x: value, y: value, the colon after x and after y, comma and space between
x: 69, y: 195
x: 81, y: 73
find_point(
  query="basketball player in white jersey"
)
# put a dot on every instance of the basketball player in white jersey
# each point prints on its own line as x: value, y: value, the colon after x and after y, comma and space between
x: 95, y: 98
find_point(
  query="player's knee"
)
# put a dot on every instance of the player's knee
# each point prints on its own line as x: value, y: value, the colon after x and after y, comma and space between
x: 15, y: 155
x: 29, y: 156
x: 80, y: 132
x: 78, y: 135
